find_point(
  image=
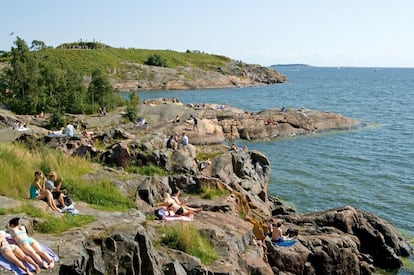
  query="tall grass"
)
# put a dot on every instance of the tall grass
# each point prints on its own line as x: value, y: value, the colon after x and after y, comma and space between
x: 187, y: 238
x: 18, y: 164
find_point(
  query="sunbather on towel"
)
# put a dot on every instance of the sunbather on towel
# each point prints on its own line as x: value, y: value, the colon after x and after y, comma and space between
x: 171, y: 204
x: 29, y: 245
x: 15, y: 255
x: 277, y: 235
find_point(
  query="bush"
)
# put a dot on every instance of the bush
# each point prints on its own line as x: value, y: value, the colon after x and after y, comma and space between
x: 156, y: 60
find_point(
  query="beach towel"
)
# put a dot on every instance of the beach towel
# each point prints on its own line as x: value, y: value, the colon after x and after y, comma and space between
x: 13, y: 268
x: 281, y: 242
x: 161, y: 214
x: 179, y: 218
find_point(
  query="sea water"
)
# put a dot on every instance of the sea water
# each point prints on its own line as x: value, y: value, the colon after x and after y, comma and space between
x: 371, y: 168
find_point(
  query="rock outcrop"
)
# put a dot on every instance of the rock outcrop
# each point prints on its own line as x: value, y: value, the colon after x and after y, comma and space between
x: 337, y: 241
x: 232, y: 74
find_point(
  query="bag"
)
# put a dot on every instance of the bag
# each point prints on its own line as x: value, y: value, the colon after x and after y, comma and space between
x: 160, y: 213
x: 292, y: 232
x: 68, y: 200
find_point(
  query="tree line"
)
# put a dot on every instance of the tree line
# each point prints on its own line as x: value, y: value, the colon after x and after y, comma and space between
x: 32, y: 84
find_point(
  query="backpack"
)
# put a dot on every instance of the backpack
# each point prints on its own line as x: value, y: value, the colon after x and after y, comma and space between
x: 68, y: 200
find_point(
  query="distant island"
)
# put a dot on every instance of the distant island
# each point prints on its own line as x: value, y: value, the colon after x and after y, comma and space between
x: 291, y: 65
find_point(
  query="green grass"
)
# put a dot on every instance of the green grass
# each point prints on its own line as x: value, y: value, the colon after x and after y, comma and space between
x: 18, y: 164
x: 148, y: 170
x: 211, y: 193
x: 50, y: 224
x: 86, y: 61
x: 187, y: 238
x: 201, y: 156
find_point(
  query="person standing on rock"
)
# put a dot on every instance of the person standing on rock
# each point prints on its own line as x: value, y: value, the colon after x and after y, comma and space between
x: 195, y: 123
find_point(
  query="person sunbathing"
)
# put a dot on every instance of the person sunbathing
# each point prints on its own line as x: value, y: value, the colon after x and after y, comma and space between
x: 15, y: 255
x: 29, y: 245
x: 176, y: 208
x: 175, y: 194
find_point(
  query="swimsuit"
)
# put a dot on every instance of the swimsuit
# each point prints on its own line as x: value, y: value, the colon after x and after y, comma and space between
x: 33, y: 192
x: 27, y: 239
x: 5, y: 244
x: 180, y: 211
x: 7, y: 247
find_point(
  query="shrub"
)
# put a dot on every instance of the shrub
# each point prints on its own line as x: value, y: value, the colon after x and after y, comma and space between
x: 156, y: 60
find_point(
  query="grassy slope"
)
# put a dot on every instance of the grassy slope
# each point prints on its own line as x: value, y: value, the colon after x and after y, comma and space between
x: 87, y: 60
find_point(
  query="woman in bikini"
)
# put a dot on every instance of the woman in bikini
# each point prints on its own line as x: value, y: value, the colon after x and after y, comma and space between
x: 15, y: 255
x: 38, y: 192
x: 178, y: 209
x: 175, y: 194
x: 29, y: 245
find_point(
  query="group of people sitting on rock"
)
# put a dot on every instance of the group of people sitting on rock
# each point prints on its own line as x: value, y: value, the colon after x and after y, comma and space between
x: 49, y: 190
x: 172, y: 206
x: 174, y: 141
x: 20, y: 249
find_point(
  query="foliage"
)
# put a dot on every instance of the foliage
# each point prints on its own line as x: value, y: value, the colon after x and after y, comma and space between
x: 101, y: 193
x: 187, y: 238
x: 156, y: 60
x: 101, y: 92
x: 38, y: 45
x: 132, y: 109
x: 16, y: 157
x: 56, y: 121
x: 35, y: 83
x: 212, y: 193
x: 18, y: 164
x: 49, y: 223
x: 201, y: 155
x: 148, y: 170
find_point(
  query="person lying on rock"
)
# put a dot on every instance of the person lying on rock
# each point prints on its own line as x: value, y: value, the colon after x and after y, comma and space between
x: 176, y: 208
x: 15, y: 255
x: 30, y: 246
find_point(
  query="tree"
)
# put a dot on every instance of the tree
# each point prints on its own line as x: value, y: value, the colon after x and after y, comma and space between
x: 101, y: 93
x: 38, y: 45
x: 156, y: 60
x: 21, y: 79
x: 132, y: 107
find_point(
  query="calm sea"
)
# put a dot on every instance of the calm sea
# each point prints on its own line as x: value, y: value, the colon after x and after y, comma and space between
x: 370, y: 168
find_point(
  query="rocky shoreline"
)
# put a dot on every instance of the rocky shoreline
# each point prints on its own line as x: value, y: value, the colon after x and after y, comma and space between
x: 336, y: 241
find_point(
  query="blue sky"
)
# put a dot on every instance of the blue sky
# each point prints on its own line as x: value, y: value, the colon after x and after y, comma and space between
x: 320, y: 32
